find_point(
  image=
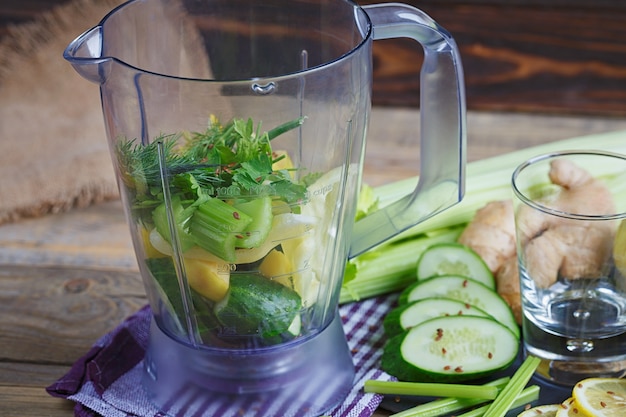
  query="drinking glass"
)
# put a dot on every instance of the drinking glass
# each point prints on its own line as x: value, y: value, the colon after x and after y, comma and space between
x: 570, y: 208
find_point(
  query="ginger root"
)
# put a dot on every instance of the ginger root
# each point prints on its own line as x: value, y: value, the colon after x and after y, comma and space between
x: 556, y: 246
x: 491, y: 234
x: 553, y: 246
x: 508, y: 286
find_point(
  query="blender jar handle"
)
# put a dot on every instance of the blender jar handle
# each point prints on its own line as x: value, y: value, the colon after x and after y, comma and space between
x: 441, y: 181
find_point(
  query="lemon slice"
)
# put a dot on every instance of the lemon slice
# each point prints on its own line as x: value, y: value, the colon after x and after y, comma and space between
x: 548, y: 410
x: 569, y: 408
x: 619, y: 248
x: 601, y: 397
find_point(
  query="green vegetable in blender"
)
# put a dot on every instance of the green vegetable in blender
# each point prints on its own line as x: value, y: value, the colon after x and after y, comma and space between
x: 222, y: 162
x: 221, y: 182
x: 164, y: 274
x: 250, y: 300
x: 220, y: 187
x: 260, y: 211
x: 181, y: 218
x: 215, y: 226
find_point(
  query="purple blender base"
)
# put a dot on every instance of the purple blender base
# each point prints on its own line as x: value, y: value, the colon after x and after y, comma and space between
x: 301, y: 378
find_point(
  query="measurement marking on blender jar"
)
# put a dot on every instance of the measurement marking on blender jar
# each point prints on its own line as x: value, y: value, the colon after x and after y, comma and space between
x: 307, y: 228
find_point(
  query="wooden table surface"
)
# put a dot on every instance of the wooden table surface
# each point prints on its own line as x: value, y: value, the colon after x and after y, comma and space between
x: 67, y: 279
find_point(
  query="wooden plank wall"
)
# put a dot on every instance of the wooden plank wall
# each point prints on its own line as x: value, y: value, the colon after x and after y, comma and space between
x: 550, y: 56
x: 546, y: 56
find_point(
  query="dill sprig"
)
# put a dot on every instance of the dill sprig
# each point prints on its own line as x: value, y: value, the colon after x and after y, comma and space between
x: 236, y: 156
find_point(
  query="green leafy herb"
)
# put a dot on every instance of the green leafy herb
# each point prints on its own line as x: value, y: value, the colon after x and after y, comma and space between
x: 212, y: 192
x: 235, y: 159
x: 208, y: 175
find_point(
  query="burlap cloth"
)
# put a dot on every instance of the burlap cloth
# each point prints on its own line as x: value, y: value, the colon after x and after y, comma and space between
x: 53, y: 150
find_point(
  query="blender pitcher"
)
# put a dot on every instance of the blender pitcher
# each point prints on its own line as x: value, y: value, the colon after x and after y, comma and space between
x: 237, y: 132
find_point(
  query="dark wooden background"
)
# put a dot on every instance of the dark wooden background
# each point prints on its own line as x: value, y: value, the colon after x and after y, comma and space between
x: 546, y: 56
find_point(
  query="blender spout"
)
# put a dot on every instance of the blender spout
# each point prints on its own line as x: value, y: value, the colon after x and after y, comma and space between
x: 85, y: 55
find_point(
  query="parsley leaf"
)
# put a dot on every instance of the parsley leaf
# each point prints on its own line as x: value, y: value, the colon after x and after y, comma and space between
x: 237, y: 156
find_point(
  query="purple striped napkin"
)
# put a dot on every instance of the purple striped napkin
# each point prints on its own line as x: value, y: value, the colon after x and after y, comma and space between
x: 107, y: 380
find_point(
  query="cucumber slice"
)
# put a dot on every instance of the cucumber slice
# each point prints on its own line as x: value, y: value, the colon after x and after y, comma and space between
x: 450, y: 349
x: 466, y: 290
x: 410, y: 315
x: 260, y: 210
x: 452, y: 258
x: 257, y: 306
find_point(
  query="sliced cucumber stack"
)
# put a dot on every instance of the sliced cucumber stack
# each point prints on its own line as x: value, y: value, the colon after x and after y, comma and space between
x: 451, y: 325
x: 466, y: 290
x: 409, y: 315
x: 454, y: 259
x: 450, y: 349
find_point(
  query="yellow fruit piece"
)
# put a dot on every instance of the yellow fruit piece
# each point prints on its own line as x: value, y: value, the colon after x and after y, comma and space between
x: 280, y: 207
x: 150, y: 250
x: 208, y: 278
x: 300, y: 252
x: 284, y: 161
x: 569, y: 408
x: 277, y: 266
x: 601, y: 397
x: 619, y: 248
x: 548, y: 410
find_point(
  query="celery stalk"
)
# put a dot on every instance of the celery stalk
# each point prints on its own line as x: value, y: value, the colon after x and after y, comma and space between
x: 506, y: 398
x: 215, y: 226
x: 285, y: 127
x: 181, y: 218
x: 445, y: 406
x: 490, y: 179
x: 431, y: 389
x: 527, y: 396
